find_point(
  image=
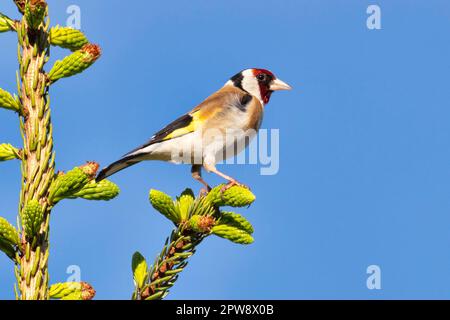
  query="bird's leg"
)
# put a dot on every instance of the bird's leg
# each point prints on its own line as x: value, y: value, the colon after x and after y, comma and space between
x: 232, y: 182
x: 197, y: 175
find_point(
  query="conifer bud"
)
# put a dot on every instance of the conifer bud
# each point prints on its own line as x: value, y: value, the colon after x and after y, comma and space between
x: 104, y: 190
x: 35, y: 11
x: 68, y: 38
x: 8, y: 233
x: 185, y: 202
x: 140, y: 269
x: 75, y: 63
x: 235, y: 196
x: 8, y: 152
x: 201, y: 224
x: 236, y: 220
x: 66, y: 185
x: 233, y: 234
x: 164, y: 204
x: 7, y: 101
x: 6, y: 24
x: 72, y: 291
x: 32, y: 218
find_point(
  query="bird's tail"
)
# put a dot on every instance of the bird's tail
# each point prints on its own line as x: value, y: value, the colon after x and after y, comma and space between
x: 117, y: 166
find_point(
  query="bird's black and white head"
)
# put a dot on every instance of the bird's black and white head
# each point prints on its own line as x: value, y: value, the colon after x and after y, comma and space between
x: 260, y: 83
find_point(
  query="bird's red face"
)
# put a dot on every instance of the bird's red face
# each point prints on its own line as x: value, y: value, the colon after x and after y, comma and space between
x: 264, y: 78
x: 260, y: 83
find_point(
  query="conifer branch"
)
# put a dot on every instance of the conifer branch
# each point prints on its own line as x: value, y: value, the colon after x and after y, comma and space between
x: 28, y: 245
x: 195, y: 219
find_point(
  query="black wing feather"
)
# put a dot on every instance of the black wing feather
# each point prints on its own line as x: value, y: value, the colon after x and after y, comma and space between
x: 179, y: 123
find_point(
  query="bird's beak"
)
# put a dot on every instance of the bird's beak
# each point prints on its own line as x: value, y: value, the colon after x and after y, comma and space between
x: 277, y: 84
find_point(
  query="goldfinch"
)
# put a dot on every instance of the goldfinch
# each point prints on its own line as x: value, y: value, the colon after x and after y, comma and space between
x: 218, y: 128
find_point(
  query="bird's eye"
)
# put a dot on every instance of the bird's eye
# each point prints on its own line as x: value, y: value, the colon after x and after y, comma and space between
x: 261, y: 77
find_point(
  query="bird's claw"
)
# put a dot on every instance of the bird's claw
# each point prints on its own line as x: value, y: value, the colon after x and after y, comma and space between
x: 205, y: 191
x: 232, y: 184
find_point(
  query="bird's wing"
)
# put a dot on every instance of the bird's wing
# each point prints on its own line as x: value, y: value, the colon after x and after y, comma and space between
x: 181, y: 126
x: 195, y: 119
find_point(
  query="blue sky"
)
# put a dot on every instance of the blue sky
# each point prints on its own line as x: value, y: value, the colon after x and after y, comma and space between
x: 364, y: 159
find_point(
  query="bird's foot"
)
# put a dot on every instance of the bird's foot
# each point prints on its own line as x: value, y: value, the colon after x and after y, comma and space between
x: 231, y: 184
x: 204, y: 191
